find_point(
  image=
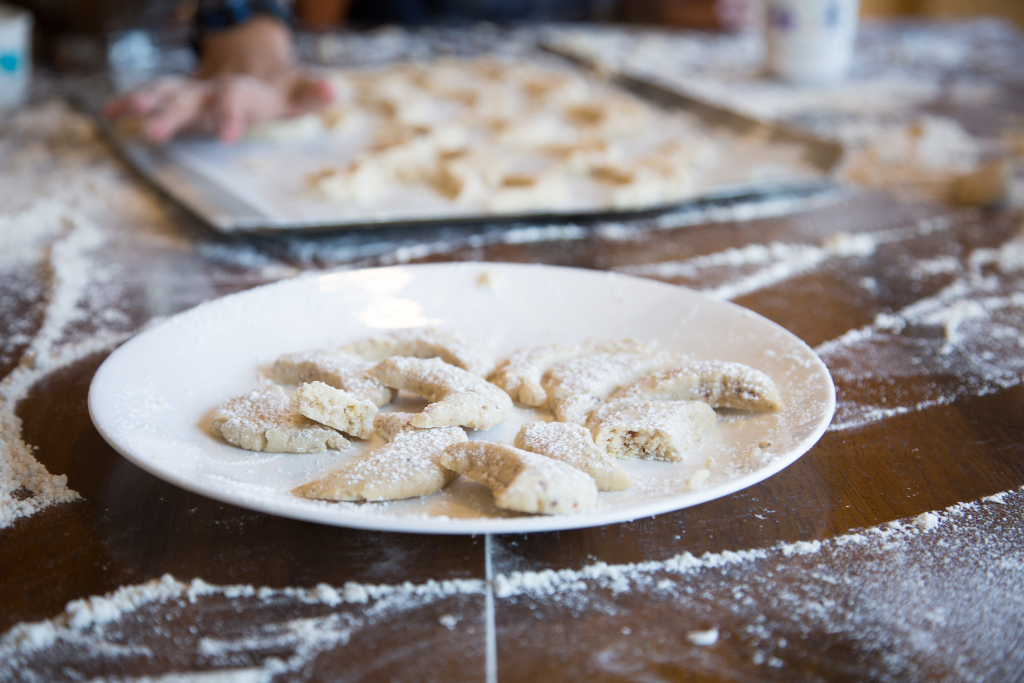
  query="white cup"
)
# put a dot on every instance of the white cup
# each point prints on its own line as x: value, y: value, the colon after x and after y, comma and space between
x: 810, y: 41
x: 15, y: 55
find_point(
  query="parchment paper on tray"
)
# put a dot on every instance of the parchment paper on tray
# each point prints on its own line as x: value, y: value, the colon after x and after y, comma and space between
x: 475, y: 139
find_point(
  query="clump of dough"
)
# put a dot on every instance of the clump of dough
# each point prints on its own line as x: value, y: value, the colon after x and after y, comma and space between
x: 451, y: 347
x: 456, y: 397
x: 720, y: 384
x: 335, y: 368
x: 335, y: 408
x: 263, y: 421
x: 658, y: 430
x: 576, y: 387
x: 573, y: 445
x: 520, y: 374
x: 405, y: 467
x: 523, y: 481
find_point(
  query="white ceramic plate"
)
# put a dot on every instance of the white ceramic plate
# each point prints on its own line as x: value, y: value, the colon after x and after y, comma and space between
x: 153, y: 397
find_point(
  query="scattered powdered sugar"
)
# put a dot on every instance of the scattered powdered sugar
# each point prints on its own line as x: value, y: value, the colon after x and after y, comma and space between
x: 890, y: 593
x: 706, y: 638
x: 979, y: 313
x: 283, y: 630
x: 773, y: 604
x: 979, y: 316
x: 969, y: 330
x: 67, y: 275
x: 738, y: 271
x: 927, y: 521
x: 924, y: 157
x: 69, y: 213
x: 760, y: 265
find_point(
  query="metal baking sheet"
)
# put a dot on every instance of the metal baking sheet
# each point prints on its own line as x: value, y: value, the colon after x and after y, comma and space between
x: 209, y: 180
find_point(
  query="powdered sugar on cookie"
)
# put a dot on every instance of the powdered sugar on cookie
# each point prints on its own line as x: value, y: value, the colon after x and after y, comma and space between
x: 457, y: 397
x: 521, y: 373
x: 577, y: 387
x: 407, y: 467
x: 263, y: 420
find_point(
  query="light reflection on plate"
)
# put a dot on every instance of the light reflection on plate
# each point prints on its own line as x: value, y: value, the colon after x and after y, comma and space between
x: 151, y: 398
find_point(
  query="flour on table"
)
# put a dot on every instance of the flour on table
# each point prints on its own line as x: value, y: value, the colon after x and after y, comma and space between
x: 767, y: 599
x: 927, y: 156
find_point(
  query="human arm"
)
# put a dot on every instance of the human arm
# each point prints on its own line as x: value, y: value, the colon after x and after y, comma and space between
x: 246, y: 75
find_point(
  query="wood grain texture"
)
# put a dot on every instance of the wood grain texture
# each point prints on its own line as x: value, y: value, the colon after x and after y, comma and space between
x: 860, y: 611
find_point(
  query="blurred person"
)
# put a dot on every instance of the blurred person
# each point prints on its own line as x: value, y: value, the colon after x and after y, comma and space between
x: 247, y: 71
x: 246, y: 74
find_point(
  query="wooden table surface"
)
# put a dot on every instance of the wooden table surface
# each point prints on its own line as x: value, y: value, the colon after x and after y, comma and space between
x: 930, y: 415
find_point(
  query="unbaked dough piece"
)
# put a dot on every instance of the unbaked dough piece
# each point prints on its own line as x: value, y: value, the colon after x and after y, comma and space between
x: 263, y: 421
x: 520, y: 374
x: 523, y: 481
x: 456, y: 397
x: 451, y: 347
x: 576, y: 387
x: 524, y: 194
x: 294, y: 129
x: 987, y: 184
x: 573, y: 445
x: 720, y: 384
x: 406, y: 467
x: 334, y: 368
x: 658, y: 430
x: 335, y: 408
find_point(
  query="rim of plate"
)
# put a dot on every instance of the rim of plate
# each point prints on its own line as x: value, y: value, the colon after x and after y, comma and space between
x: 433, y: 524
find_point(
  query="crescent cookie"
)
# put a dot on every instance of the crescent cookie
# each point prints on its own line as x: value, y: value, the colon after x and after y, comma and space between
x: 456, y: 397
x: 573, y: 445
x: 720, y: 384
x: 389, y: 424
x: 335, y: 408
x: 523, y: 481
x: 520, y: 374
x: 334, y: 368
x: 450, y: 347
x: 263, y: 421
x: 406, y: 467
x: 575, y: 388
x: 658, y: 430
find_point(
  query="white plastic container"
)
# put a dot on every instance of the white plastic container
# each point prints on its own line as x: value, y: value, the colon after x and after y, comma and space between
x: 810, y: 41
x: 15, y: 55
